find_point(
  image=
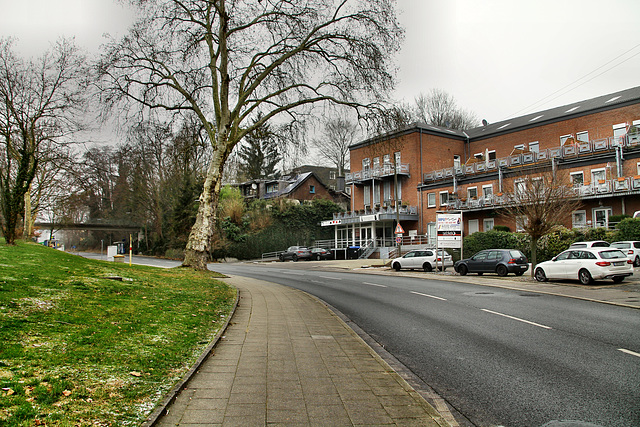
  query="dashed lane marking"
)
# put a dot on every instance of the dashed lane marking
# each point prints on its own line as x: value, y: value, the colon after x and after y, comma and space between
x: 516, y: 318
x: 633, y: 353
x: 374, y: 284
x: 428, y: 296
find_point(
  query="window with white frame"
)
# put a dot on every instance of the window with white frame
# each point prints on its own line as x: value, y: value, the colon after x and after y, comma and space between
x: 582, y: 136
x: 456, y: 161
x: 376, y: 195
x: 579, y: 219
x: 367, y: 195
x: 386, y: 159
x: 520, y: 188
x: 386, y: 188
x: 619, y: 131
x: 534, y: 147
x: 564, y: 138
x: 577, y: 178
x: 487, y: 224
x: 487, y: 191
x: 366, y: 164
x: 521, y: 222
x: 348, y: 190
x: 376, y: 162
x: 491, y: 154
x: 638, y: 168
x: 537, y: 185
x: 598, y: 175
x: 473, y: 226
x: 472, y: 193
x: 444, y: 198
x: 332, y: 174
x: 431, y: 200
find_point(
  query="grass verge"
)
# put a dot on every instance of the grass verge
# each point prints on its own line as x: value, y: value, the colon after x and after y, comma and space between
x: 78, y: 348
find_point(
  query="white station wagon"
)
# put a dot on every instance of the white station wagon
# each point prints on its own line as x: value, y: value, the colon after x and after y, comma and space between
x: 586, y: 265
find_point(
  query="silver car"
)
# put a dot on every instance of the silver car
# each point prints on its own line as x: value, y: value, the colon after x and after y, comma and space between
x: 424, y: 259
x: 586, y: 265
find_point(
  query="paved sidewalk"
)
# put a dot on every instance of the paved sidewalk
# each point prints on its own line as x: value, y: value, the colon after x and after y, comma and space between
x: 286, y: 359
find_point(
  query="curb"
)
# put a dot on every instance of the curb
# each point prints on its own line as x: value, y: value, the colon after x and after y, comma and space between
x: 160, y: 410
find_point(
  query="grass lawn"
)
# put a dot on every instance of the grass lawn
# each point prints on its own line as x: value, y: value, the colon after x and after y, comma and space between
x: 77, y: 348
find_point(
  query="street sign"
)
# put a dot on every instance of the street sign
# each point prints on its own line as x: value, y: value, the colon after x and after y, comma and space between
x: 398, y: 240
x: 399, y: 229
x: 449, y: 230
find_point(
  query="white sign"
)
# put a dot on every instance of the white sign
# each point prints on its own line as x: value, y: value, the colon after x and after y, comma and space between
x: 331, y: 222
x: 368, y: 218
x: 449, y: 230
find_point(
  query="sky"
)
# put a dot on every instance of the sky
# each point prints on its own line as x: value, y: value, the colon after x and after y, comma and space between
x: 497, y: 58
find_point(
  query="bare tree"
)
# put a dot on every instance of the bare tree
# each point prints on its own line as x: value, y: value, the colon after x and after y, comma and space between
x: 39, y: 102
x: 333, y: 146
x: 439, y: 108
x: 538, y: 204
x: 227, y: 60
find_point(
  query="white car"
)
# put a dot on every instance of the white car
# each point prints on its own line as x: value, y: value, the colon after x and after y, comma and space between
x: 631, y: 248
x: 424, y: 259
x: 586, y: 265
x: 590, y: 244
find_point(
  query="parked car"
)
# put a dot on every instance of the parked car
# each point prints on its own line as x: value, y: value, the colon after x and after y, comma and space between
x: 586, y: 265
x: 590, y: 244
x: 631, y: 248
x: 295, y: 253
x: 321, y: 253
x: 424, y: 259
x: 500, y: 261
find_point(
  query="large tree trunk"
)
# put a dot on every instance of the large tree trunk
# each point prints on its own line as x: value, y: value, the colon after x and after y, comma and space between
x: 534, y: 255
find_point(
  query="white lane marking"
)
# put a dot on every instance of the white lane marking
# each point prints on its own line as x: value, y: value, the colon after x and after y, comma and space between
x: 428, y: 296
x: 332, y: 278
x: 292, y: 273
x: 633, y: 353
x: 517, y: 318
x: 374, y: 284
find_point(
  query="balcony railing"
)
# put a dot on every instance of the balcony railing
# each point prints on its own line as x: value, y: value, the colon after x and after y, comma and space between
x: 579, y: 148
x: 377, y: 172
x: 390, y: 210
x: 602, y: 187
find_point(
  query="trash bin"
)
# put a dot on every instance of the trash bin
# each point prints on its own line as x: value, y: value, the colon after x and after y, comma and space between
x: 353, y: 252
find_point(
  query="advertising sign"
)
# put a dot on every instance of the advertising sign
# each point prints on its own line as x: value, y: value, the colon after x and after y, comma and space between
x: 449, y: 230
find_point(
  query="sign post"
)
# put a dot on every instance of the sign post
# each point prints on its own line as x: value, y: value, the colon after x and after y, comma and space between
x: 448, y: 232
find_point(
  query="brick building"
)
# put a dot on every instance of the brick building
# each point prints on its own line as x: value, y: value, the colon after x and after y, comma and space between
x: 594, y: 143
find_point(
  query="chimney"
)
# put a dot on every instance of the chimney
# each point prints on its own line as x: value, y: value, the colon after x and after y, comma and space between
x: 340, y: 183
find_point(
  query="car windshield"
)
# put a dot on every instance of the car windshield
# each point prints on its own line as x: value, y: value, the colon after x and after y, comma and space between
x: 612, y: 254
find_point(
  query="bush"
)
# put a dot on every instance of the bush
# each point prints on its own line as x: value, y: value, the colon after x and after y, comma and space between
x: 628, y: 229
x: 502, y: 228
x: 495, y: 239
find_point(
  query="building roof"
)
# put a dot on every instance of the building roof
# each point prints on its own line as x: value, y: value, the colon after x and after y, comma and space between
x: 590, y: 106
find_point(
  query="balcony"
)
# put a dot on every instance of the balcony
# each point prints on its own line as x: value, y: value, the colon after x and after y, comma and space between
x: 577, y: 150
x: 606, y: 187
x: 384, y: 171
x: 377, y: 213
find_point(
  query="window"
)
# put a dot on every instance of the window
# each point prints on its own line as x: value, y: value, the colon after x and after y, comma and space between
x: 444, y: 198
x: 367, y: 195
x: 472, y: 193
x: 386, y: 188
x: 520, y: 188
x: 534, y: 147
x: 582, y: 136
x: 376, y: 195
x: 537, y: 185
x: 487, y: 191
x: 332, y: 175
x: 456, y: 161
x: 598, y: 175
x: 577, y: 178
x: 348, y: 190
x: 271, y: 188
x: 473, y: 226
x: 376, y: 162
x: 601, y: 217
x: 431, y: 200
x: 399, y: 192
x: 491, y: 154
x: 521, y: 222
x: 638, y: 168
x: 386, y: 159
x: 619, y: 131
x: 519, y: 147
x: 487, y: 224
x: 312, y: 189
x: 397, y: 155
x: 564, y: 138
x: 579, y: 219
x: 366, y: 164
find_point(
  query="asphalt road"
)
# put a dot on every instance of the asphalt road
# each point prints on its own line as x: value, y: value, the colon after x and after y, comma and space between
x: 500, y: 357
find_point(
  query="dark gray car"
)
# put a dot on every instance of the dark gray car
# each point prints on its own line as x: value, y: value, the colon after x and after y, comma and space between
x: 295, y: 253
x: 500, y: 261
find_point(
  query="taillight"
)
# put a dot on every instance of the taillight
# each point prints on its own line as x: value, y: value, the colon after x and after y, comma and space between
x: 439, y: 259
x: 629, y: 261
x: 630, y: 252
x: 603, y: 263
x: 512, y: 261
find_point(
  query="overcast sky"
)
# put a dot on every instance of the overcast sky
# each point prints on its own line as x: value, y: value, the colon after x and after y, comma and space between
x: 498, y: 58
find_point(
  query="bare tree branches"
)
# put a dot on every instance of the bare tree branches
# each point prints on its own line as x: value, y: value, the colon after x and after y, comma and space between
x: 339, y: 133
x: 228, y: 60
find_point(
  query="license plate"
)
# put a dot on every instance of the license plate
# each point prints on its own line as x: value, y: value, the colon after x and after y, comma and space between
x: 618, y: 263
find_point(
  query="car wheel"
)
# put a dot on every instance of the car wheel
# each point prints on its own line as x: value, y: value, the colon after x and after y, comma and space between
x: 463, y: 270
x: 519, y: 273
x: 317, y: 257
x: 502, y: 270
x: 294, y: 258
x: 281, y: 258
x: 585, y: 277
x: 396, y: 266
x: 618, y: 279
x: 539, y: 275
x: 427, y: 267
x: 636, y: 262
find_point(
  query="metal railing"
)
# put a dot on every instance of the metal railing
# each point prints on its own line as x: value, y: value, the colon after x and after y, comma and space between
x: 567, y: 151
x: 403, y: 209
x: 385, y: 170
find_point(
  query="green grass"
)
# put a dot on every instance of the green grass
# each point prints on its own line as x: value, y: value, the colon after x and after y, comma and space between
x: 77, y: 348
